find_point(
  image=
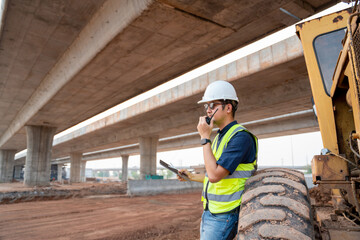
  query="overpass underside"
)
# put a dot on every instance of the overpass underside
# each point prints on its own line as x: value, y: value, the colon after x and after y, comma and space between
x: 70, y: 60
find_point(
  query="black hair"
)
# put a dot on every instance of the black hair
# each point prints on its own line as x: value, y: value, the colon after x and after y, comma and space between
x: 233, y: 103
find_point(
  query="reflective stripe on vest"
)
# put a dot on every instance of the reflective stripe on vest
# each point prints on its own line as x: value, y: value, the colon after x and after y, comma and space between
x: 226, y: 194
x: 239, y: 174
x: 225, y: 198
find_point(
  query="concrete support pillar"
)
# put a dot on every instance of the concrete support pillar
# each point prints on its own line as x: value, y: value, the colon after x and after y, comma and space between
x: 75, y: 168
x: 59, y: 172
x: 83, y: 171
x: 125, y: 159
x: 17, y: 171
x: 6, y: 165
x: 38, y: 157
x: 148, y: 149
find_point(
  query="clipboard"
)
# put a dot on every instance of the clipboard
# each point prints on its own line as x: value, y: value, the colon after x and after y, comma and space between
x: 174, y: 170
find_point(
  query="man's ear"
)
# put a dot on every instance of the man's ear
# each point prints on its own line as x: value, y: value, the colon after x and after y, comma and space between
x: 229, y: 106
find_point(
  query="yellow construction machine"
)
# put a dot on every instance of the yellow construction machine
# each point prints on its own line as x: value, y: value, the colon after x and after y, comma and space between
x: 276, y: 203
x: 332, y: 53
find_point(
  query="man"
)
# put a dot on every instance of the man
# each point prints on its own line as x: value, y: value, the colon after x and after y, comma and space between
x: 229, y: 160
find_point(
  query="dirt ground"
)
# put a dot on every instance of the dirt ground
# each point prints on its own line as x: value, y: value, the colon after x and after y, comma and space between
x: 17, y: 192
x: 104, y: 217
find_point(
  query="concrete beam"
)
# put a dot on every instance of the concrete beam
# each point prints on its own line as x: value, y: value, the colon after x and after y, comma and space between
x: 6, y: 165
x: 75, y: 168
x: 108, y: 22
x: 114, y: 153
x: 293, y: 124
x: 83, y: 171
x: 125, y: 160
x: 148, y: 150
x: 17, y: 171
x: 38, y: 157
x: 3, y: 8
x: 59, y: 173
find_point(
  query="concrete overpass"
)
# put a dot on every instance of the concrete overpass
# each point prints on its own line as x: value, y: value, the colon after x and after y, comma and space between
x: 69, y: 60
x: 284, y: 108
x: 175, y: 111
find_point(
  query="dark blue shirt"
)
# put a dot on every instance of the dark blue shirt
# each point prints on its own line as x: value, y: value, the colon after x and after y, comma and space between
x: 240, y: 149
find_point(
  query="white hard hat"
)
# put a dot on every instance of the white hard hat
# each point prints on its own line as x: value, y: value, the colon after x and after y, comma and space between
x: 219, y: 90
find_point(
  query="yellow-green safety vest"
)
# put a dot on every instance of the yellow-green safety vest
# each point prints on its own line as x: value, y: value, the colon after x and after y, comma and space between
x: 225, y: 195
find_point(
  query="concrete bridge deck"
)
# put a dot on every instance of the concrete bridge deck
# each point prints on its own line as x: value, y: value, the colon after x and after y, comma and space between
x: 72, y: 60
x: 69, y: 60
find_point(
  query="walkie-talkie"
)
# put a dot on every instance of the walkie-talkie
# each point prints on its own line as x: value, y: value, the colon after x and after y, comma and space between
x: 208, y: 119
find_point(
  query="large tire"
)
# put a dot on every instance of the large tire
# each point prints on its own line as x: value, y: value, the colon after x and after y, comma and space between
x: 275, y: 205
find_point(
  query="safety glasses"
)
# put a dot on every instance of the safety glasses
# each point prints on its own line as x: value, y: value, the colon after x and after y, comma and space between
x: 211, y: 105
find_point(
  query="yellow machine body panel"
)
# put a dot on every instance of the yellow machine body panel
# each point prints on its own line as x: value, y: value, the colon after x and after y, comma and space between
x: 328, y: 167
x: 309, y: 33
x: 350, y: 65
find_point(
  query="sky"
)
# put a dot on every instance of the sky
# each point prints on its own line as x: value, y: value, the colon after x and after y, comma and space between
x: 288, y: 150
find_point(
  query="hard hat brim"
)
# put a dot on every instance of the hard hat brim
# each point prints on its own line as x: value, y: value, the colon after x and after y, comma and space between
x: 209, y: 100
x: 202, y: 101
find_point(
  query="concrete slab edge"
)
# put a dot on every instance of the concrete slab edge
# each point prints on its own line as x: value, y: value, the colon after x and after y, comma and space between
x: 160, y: 186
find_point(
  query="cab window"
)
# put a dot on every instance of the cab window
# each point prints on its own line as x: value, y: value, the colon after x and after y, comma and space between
x: 327, y: 48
